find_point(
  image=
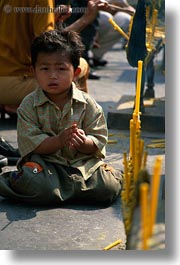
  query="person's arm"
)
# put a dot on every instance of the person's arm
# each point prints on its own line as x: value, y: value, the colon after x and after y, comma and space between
x: 87, y: 18
x: 54, y: 143
x: 91, y: 135
x: 32, y: 138
x: 50, y: 145
x: 117, y: 6
x: 124, y: 5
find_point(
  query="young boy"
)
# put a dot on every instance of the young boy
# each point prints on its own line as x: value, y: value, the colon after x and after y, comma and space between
x: 62, y: 132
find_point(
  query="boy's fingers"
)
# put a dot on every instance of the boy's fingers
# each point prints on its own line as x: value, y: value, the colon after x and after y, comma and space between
x: 76, y: 139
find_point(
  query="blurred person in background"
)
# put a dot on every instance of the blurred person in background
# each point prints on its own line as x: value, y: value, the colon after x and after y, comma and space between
x: 106, y: 35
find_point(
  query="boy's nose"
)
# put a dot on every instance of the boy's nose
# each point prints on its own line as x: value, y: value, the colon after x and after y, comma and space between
x: 53, y: 75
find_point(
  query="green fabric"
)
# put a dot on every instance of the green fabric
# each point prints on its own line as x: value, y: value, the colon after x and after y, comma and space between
x: 39, y: 118
x: 59, y: 183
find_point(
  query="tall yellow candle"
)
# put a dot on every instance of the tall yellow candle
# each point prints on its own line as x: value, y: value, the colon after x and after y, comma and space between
x: 145, y: 159
x: 116, y: 27
x: 152, y: 27
x: 154, y: 20
x: 130, y: 24
x: 144, y: 187
x: 131, y: 138
x: 126, y: 176
x: 154, y: 17
x: 147, y: 13
x: 138, y: 86
x: 154, y: 193
x: 141, y: 152
x: 136, y: 156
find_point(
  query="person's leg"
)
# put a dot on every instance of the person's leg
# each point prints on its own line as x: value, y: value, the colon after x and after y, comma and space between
x: 12, y: 91
x: 88, y: 36
x: 103, y: 187
x: 150, y: 72
x: 14, y: 88
x: 107, y: 35
x: 81, y: 79
x: 38, y: 182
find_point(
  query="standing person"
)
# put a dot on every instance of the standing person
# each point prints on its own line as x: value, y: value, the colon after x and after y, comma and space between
x: 62, y: 132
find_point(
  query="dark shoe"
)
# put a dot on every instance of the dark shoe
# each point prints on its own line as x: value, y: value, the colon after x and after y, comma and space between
x: 93, y: 76
x: 149, y: 93
x: 9, y: 151
x: 99, y: 62
x: 3, y: 161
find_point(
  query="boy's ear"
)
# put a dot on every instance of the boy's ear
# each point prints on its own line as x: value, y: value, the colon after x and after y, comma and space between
x: 77, y: 71
x: 32, y: 70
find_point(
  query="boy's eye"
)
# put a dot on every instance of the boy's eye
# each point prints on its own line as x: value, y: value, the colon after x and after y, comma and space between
x: 62, y: 68
x: 44, y: 68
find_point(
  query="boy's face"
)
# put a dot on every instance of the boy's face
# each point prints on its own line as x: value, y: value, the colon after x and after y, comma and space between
x: 54, y: 73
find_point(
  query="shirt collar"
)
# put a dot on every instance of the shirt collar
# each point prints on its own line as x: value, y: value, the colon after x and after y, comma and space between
x: 41, y: 97
x: 77, y: 94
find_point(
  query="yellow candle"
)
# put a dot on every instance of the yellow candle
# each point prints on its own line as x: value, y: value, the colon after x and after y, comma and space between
x: 141, y: 152
x: 130, y: 24
x: 145, y: 159
x: 138, y: 87
x: 113, y: 244
x: 136, y: 157
x: 155, y: 192
x: 154, y: 17
x: 152, y: 26
x: 116, y: 27
x: 126, y: 177
x: 147, y: 13
x: 144, y: 187
x: 131, y: 138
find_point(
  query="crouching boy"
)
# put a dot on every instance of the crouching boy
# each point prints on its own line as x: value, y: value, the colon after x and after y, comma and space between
x: 62, y: 132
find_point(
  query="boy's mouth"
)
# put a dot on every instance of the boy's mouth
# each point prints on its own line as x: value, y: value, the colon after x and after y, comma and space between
x: 52, y: 84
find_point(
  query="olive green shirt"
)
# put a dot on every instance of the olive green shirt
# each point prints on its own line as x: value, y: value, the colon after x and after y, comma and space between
x: 39, y: 118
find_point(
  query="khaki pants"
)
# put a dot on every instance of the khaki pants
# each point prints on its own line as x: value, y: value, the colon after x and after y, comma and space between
x: 54, y: 184
x: 14, y: 88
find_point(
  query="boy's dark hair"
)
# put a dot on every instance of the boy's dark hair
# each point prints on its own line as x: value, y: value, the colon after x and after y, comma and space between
x: 66, y: 42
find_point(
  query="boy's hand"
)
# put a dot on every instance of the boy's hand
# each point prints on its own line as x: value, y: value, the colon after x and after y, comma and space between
x: 75, y: 138
x: 66, y: 135
x: 78, y: 139
x: 81, y: 142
